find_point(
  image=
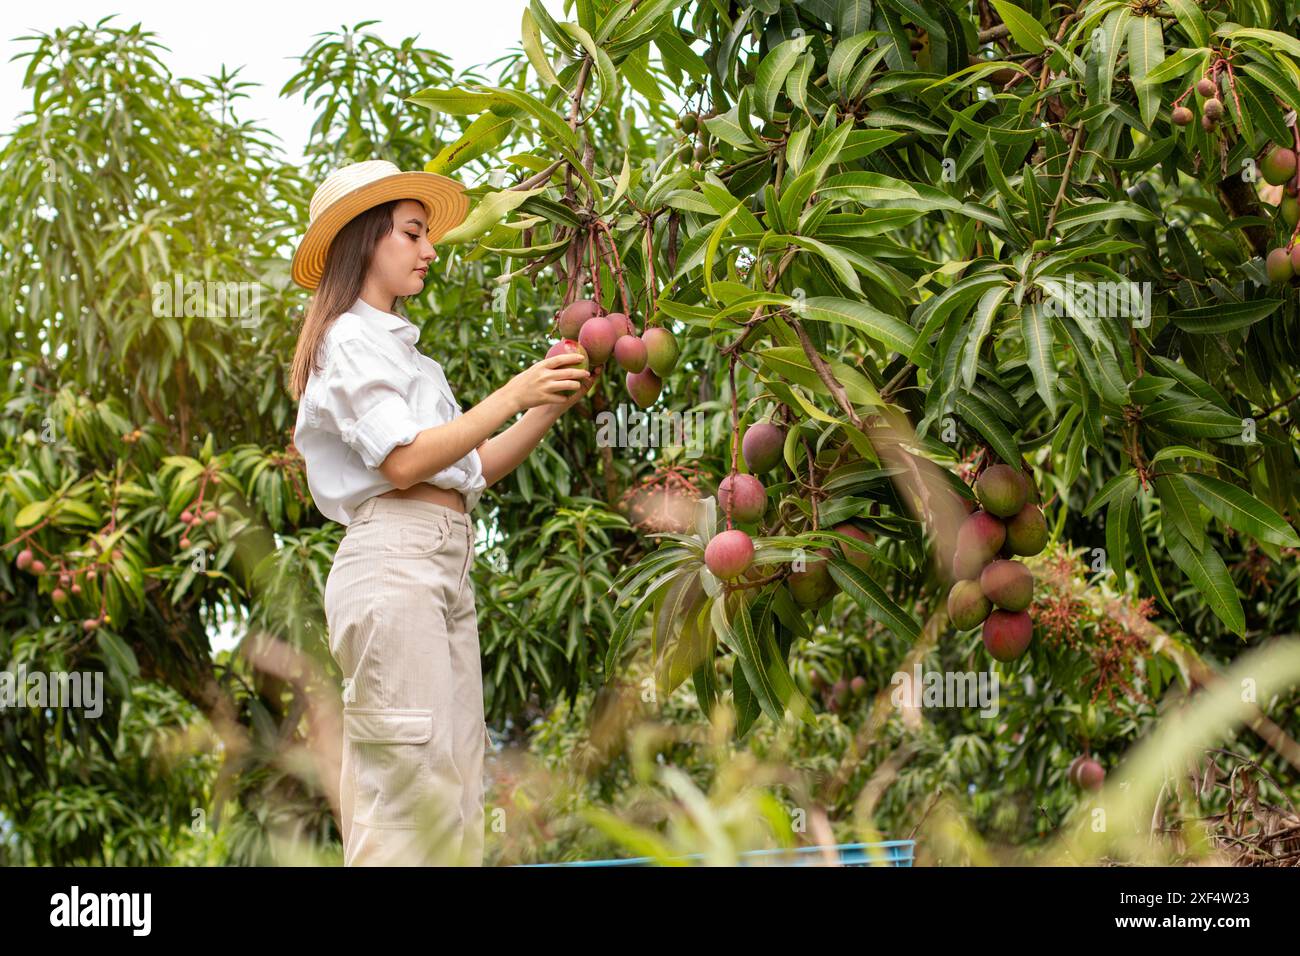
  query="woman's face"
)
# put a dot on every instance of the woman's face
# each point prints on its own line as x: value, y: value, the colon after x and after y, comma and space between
x: 403, y: 256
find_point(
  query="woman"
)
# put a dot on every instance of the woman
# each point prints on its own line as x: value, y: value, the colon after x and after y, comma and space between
x: 390, y: 455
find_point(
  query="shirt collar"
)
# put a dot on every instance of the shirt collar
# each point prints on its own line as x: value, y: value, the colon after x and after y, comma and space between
x: 399, y: 325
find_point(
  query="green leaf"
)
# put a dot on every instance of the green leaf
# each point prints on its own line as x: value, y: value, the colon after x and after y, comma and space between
x: 1268, y: 76
x: 1192, y: 417
x: 489, y: 211
x: 885, y: 329
x: 737, y: 630
x: 866, y: 187
x: 1157, y: 152
x: 839, y: 67
x: 1117, y: 514
x: 864, y: 142
x: 979, y: 417
x: 1111, y: 35
x: 791, y: 363
x: 993, y: 165
x: 484, y: 134
x: 627, y: 623
x: 1278, y: 41
x: 1145, y: 567
x: 1223, y: 316
x: 871, y: 597
x: 1183, y: 451
x: 76, y: 509
x: 913, y: 119
x: 1103, y: 212
x: 1190, y: 381
x: 745, y: 703
x: 552, y: 29
x: 650, y: 18
x: 1036, y: 328
x: 772, y: 72
x: 653, y: 564
x: 1174, y: 66
x: 1207, y: 571
x: 610, y: 21
x: 934, y: 312
x: 675, y: 51
x: 549, y: 121
x: 838, y: 262
x: 1146, y: 49
x: 532, y: 40
x: 1258, y: 107
x: 828, y: 148
x: 796, y: 88
x: 1178, y: 504
x: 705, y: 679
x: 711, y: 249
x: 1192, y: 19
x: 31, y: 514
x: 1242, y: 511
x: 121, y: 660
x: 456, y: 102
x: 620, y: 187
x: 795, y: 195
x: 726, y: 127
x: 1029, y: 34
x: 506, y: 102
x: 981, y: 322
x: 1121, y: 485
x: 676, y: 643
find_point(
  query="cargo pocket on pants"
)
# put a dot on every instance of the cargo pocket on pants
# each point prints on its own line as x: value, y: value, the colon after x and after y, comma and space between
x: 392, y: 780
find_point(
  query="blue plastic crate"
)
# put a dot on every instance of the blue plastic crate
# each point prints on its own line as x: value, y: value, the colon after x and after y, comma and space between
x: 887, y: 853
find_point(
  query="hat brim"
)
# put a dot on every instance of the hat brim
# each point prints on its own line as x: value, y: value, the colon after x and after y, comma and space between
x: 444, y: 202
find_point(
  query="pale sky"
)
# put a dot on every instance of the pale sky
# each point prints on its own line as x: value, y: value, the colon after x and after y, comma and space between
x: 266, y: 39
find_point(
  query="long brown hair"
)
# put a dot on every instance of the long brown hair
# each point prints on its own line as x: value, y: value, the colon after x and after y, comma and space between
x: 344, y: 274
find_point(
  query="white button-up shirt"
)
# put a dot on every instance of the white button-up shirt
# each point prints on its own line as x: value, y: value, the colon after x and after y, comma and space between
x: 374, y: 390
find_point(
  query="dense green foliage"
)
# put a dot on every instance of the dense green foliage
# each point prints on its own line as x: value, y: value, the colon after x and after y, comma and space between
x: 881, y: 227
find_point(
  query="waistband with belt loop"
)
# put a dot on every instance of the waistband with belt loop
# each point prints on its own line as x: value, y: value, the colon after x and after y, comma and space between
x: 450, y: 517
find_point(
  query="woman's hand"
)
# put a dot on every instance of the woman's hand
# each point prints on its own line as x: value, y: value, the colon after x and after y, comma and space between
x: 579, y: 395
x: 552, y: 382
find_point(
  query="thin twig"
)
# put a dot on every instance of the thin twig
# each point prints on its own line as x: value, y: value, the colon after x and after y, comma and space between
x: 1065, y: 179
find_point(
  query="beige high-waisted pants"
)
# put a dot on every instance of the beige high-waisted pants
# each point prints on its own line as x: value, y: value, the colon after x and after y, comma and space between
x: 399, y: 605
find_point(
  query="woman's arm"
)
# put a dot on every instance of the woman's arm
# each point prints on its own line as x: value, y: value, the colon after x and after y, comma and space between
x: 504, y: 453
x: 435, y: 448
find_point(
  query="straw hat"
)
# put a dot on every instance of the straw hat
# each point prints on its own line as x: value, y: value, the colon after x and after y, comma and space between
x: 350, y: 190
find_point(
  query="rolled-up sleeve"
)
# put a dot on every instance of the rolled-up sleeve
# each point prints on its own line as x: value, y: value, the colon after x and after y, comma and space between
x: 365, y: 400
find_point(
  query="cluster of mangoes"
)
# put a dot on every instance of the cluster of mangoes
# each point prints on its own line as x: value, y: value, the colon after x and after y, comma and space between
x: 730, y: 553
x: 195, y: 518
x: 1279, y: 168
x: 647, y: 358
x: 27, y: 561
x: 812, y: 585
x: 838, y: 696
x: 992, y: 588
x: 690, y: 124
x: 742, y: 496
x: 1211, y: 109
